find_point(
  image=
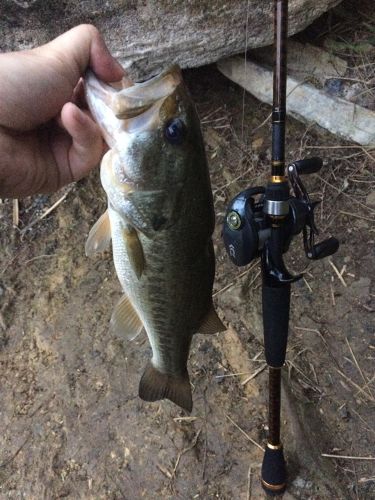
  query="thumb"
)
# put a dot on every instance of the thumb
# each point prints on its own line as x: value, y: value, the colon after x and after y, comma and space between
x: 85, y: 148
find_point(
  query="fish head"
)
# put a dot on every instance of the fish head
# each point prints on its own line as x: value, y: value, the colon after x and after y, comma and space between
x: 155, y: 138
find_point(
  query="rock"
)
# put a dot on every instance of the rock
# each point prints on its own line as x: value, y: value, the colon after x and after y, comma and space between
x: 301, y: 483
x: 149, y: 35
x: 304, y: 101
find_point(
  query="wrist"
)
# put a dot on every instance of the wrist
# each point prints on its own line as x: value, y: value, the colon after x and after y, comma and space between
x: 17, y: 165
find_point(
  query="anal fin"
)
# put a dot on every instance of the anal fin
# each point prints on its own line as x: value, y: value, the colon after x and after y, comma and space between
x: 211, y: 323
x: 125, y: 322
x: 155, y: 385
x: 99, y: 236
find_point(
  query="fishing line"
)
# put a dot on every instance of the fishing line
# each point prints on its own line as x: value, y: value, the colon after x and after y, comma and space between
x: 244, y: 91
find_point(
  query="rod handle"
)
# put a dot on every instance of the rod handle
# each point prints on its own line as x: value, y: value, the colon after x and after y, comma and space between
x: 273, y: 473
x: 276, y: 305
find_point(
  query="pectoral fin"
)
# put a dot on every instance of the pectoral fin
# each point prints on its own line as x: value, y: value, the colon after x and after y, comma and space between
x: 99, y: 236
x: 125, y: 321
x: 211, y: 323
x: 134, y: 250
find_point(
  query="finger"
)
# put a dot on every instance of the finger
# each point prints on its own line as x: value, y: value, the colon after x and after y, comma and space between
x: 87, y: 145
x: 85, y: 46
x: 78, y: 96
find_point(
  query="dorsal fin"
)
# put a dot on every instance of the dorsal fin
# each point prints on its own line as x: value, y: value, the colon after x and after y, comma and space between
x: 99, y: 236
x: 125, y: 322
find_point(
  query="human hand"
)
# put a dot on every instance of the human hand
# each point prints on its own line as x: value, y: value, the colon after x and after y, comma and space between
x: 46, y: 140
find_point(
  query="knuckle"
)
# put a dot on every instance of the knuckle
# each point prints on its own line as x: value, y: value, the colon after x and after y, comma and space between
x: 90, y: 30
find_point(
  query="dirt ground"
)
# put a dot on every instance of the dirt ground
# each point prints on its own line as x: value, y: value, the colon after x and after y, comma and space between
x: 72, y: 423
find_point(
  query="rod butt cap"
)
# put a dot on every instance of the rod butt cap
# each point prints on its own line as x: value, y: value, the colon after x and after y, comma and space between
x: 274, y: 471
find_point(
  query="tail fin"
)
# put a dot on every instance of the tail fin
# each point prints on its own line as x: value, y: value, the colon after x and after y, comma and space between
x: 155, y: 385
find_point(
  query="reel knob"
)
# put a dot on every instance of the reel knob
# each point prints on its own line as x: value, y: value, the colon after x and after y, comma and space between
x: 323, y: 249
x: 307, y: 166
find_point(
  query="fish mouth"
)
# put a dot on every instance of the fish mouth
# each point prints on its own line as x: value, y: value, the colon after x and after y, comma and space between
x: 134, y: 100
x: 137, y: 105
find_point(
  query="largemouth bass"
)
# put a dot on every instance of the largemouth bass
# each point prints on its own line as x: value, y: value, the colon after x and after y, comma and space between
x: 160, y: 218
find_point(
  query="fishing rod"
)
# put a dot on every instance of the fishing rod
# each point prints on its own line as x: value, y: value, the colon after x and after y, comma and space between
x: 261, y: 222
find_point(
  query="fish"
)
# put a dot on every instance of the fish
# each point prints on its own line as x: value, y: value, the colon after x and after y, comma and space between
x: 160, y: 219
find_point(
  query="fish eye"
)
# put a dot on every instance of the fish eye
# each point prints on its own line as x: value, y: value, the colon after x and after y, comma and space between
x: 175, y: 131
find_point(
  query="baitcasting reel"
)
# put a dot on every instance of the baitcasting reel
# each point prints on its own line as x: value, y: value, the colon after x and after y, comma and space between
x: 247, y: 226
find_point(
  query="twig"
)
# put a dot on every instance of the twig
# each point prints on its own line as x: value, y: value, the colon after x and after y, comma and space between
x: 185, y: 419
x: 2, y: 323
x: 367, y: 384
x: 345, y: 194
x: 314, y: 330
x: 307, y: 284
x: 338, y: 273
x: 363, y: 420
x: 259, y: 370
x: 346, y: 457
x: 332, y: 295
x: 245, y: 434
x: 212, y: 113
x: 46, y: 212
x: 310, y: 382
x: 232, y: 375
x: 356, y: 215
x: 359, y: 388
x: 357, y: 365
x: 254, y: 279
x: 255, y: 358
x: 249, y: 481
x: 40, y: 257
x: 365, y: 480
x: 16, y: 212
x: 185, y: 451
x: 164, y: 471
x: 204, y: 122
x: 262, y: 124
